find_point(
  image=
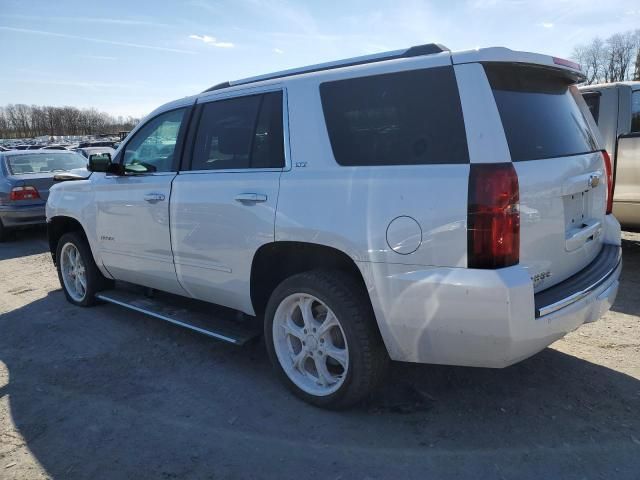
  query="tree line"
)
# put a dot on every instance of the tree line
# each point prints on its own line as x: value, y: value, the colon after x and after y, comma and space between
x: 26, y: 121
x: 614, y: 59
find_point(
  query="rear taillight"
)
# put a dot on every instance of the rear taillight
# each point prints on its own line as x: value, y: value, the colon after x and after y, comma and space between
x: 24, y: 193
x: 493, y: 216
x: 608, y: 168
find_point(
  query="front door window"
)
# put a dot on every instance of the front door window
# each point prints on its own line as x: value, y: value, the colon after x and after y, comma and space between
x: 152, y: 148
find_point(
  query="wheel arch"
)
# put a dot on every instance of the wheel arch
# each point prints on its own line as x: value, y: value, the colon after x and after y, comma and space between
x: 58, y: 226
x: 275, y: 261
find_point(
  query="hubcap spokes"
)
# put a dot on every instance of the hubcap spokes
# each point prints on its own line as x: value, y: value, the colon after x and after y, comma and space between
x: 310, y: 344
x: 73, y: 272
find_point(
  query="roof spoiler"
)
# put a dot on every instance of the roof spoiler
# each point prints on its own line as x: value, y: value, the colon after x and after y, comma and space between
x: 416, y: 51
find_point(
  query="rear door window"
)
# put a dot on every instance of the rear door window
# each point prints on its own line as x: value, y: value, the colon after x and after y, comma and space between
x: 404, y: 118
x: 542, y: 113
x: 239, y: 133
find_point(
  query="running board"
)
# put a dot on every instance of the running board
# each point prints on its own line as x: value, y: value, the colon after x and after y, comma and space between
x: 211, y: 320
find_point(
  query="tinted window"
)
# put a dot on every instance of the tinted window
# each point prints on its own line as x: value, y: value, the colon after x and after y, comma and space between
x: 592, y: 99
x: 635, y: 111
x: 152, y: 148
x: 405, y: 118
x: 543, y: 115
x: 44, y: 163
x: 243, y: 132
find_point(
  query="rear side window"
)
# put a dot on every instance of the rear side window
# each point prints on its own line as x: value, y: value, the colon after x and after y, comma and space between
x: 635, y: 112
x: 404, y: 118
x: 238, y: 133
x: 592, y: 99
x: 542, y: 113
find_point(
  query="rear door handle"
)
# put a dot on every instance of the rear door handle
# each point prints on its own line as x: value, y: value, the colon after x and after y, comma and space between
x: 250, y: 198
x: 154, y: 197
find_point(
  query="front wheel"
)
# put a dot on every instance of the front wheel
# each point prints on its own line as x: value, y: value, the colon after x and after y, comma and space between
x: 322, y: 338
x: 77, y: 271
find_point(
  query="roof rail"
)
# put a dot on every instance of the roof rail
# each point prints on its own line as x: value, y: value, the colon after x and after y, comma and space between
x: 418, y: 50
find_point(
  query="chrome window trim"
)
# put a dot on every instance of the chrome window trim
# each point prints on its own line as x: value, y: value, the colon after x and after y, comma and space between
x: 146, y: 174
x: 230, y: 170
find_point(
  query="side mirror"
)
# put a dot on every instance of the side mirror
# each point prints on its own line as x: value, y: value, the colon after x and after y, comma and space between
x: 99, y: 162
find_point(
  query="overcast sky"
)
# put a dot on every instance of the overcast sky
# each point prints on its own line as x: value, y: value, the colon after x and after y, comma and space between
x: 127, y: 57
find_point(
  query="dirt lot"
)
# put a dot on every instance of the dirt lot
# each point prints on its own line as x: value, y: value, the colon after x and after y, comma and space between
x: 104, y: 393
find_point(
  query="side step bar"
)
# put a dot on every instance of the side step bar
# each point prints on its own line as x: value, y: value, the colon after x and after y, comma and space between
x: 208, y: 319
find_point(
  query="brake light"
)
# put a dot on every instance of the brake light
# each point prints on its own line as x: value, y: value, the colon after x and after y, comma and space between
x: 24, y: 193
x: 493, y: 216
x: 608, y: 168
x: 567, y: 63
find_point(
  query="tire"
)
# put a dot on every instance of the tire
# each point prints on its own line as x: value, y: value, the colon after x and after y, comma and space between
x: 94, y: 279
x: 365, y: 358
x: 3, y: 232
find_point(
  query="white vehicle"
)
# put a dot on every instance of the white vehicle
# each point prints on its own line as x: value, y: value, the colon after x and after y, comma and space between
x: 419, y: 205
x: 616, y: 110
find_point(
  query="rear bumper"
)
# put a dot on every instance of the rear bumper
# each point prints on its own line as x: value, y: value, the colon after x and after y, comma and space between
x: 484, y: 318
x: 23, y: 215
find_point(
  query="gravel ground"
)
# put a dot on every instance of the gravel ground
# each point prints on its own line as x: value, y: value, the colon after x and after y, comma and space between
x: 105, y: 393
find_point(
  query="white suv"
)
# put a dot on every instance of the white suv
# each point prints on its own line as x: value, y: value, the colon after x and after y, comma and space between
x: 419, y: 205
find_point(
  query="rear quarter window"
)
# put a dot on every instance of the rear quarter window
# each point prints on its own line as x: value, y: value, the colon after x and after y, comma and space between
x: 404, y: 118
x: 542, y: 113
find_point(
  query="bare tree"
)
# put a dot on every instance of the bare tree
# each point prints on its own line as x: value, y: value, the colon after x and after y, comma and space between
x: 611, y: 60
x: 636, y: 73
x: 591, y: 58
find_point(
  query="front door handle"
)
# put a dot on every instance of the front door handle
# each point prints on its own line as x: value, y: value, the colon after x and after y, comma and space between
x: 154, y: 197
x: 250, y: 198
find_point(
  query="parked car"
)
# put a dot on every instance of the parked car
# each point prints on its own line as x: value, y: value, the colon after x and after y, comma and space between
x: 25, y: 179
x: 616, y: 110
x: 87, y: 151
x: 54, y: 147
x: 361, y: 210
x: 96, y: 143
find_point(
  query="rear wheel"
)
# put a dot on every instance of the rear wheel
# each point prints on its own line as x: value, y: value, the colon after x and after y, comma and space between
x: 322, y: 339
x: 77, y: 271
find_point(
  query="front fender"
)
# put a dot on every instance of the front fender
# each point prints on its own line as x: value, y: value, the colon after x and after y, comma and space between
x: 76, y: 201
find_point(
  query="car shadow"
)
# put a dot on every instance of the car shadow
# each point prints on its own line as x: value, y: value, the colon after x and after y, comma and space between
x: 627, y: 300
x: 104, y: 393
x: 22, y: 243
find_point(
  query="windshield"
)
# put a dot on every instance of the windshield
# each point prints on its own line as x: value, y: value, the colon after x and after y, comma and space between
x: 44, y: 163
